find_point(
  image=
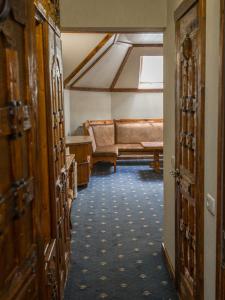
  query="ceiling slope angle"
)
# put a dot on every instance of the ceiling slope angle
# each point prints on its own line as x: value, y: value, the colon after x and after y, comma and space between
x: 108, y: 63
x: 141, y: 38
x: 95, y: 52
x: 76, y: 47
x: 102, y: 74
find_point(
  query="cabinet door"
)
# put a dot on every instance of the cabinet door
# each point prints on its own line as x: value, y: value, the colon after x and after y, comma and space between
x: 18, y: 257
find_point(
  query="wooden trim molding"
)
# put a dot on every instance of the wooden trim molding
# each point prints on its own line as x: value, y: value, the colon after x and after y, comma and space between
x: 141, y: 45
x: 136, y: 90
x: 220, y: 283
x: 88, y: 58
x: 169, y: 265
x: 148, y: 45
x: 88, y: 89
x: 183, y: 8
x: 120, y: 70
x: 114, y: 90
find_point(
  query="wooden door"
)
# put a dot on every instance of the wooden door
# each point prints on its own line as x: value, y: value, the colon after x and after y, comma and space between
x: 47, y: 239
x: 18, y: 249
x: 57, y: 157
x: 190, y: 37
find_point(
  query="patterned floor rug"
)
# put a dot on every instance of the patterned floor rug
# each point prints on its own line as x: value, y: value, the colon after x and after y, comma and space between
x: 117, y: 236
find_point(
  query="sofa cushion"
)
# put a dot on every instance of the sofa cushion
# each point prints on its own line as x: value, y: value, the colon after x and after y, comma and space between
x: 134, y: 133
x: 106, y: 151
x: 104, y: 135
x: 91, y: 133
x: 129, y: 147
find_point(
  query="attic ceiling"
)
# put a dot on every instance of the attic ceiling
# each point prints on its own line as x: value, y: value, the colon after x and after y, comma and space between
x: 142, y: 38
x: 98, y: 61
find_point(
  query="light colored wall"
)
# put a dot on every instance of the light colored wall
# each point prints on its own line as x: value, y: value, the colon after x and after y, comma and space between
x: 211, y: 119
x: 211, y: 130
x: 116, y: 14
x: 129, y: 78
x: 67, y: 111
x: 137, y: 105
x: 88, y: 106
x: 75, y: 47
x: 81, y: 106
x: 169, y: 130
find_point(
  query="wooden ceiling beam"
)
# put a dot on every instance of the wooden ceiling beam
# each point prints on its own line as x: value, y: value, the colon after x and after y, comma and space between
x: 136, y: 90
x: 88, y: 58
x: 115, y: 90
x: 148, y: 45
x: 120, y: 70
x: 89, y: 89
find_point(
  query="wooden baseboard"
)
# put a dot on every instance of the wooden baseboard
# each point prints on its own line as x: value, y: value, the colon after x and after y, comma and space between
x: 168, y: 262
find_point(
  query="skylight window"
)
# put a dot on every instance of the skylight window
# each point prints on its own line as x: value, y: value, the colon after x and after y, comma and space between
x: 151, y: 72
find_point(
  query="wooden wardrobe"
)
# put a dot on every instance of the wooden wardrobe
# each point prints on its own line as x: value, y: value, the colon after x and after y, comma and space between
x: 34, y: 209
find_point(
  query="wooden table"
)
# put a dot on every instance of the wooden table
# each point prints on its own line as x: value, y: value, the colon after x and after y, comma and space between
x: 81, y: 147
x: 156, y: 148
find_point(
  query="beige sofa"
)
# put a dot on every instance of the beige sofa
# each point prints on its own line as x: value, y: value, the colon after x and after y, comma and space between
x: 122, y: 139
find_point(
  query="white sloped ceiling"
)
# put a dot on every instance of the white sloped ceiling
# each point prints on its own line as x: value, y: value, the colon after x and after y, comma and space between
x: 103, y: 73
x: 102, y: 68
x: 75, y: 47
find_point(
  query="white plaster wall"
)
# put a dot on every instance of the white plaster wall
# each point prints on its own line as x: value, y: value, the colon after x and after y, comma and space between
x: 137, y: 105
x: 169, y: 130
x: 129, y: 77
x: 211, y: 130
x: 116, y: 13
x: 211, y: 119
x: 88, y: 106
x: 75, y: 47
x: 67, y: 111
x: 81, y: 106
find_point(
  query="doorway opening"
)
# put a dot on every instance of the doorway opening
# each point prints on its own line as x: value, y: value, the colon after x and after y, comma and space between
x: 114, y: 96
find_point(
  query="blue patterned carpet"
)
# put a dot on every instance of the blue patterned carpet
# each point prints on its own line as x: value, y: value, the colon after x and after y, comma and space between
x: 117, y: 236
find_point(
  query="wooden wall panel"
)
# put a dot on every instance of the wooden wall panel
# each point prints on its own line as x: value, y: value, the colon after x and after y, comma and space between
x: 18, y: 245
x: 34, y: 205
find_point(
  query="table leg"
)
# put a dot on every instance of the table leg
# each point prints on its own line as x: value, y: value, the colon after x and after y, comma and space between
x: 156, y: 162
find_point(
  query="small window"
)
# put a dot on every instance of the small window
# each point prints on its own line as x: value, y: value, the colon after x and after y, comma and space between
x: 151, y: 72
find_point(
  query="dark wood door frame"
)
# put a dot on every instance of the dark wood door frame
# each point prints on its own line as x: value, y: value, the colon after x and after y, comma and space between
x: 220, y: 261
x: 185, y: 6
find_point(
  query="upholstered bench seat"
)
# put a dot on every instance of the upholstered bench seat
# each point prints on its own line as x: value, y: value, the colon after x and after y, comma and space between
x: 129, y: 147
x: 122, y: 139
x: 106, y: 151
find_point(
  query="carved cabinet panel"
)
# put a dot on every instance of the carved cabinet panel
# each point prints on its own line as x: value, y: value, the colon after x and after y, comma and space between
x: 34, y: 211
x: 189, y: 154
x: 18, y: 249
x: 57, y: 156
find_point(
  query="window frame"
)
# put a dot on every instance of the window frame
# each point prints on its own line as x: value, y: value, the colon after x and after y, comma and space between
x: 153, y: 89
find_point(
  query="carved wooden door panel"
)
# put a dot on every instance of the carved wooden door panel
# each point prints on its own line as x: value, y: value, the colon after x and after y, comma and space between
x: 18, y: 253
x: 57, y: 153
x: 189, y: 153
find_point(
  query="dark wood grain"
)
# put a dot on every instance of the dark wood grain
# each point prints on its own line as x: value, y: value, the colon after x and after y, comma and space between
x: 183, y: 8
x: 115, y: 90
x: 190, y: 103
